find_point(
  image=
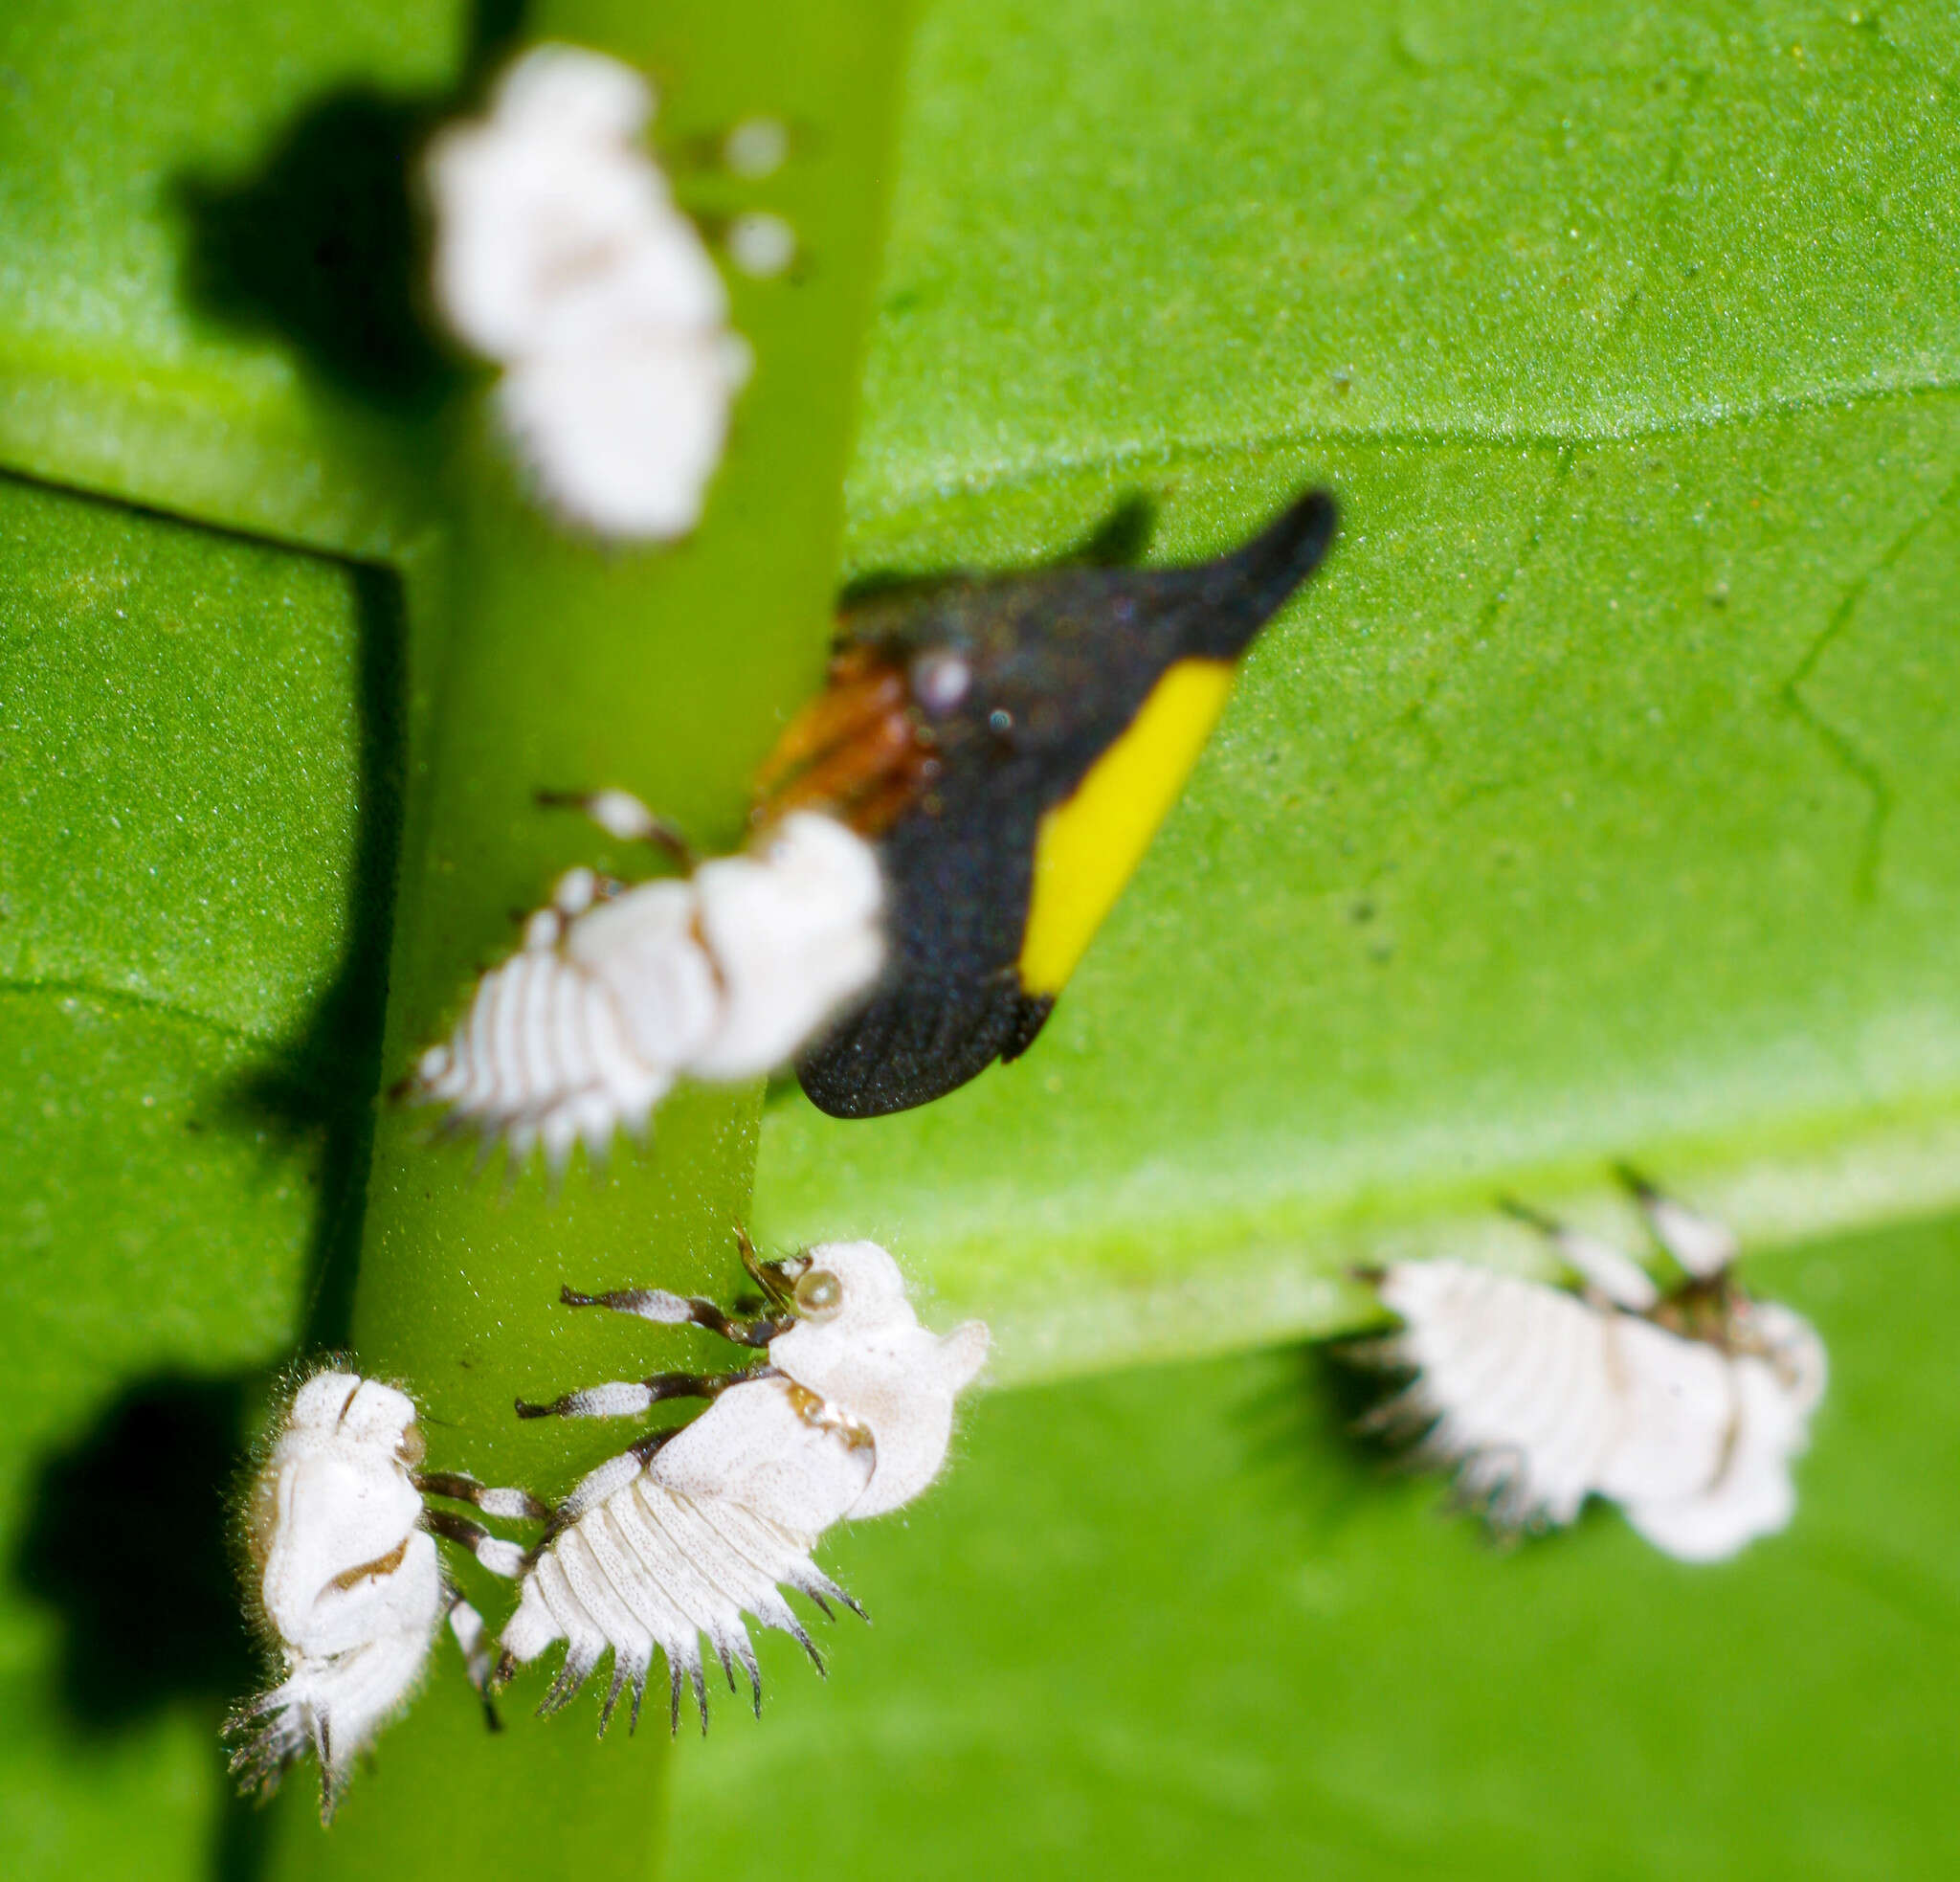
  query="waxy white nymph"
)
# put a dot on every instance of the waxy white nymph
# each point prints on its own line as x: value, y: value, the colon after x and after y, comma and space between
x: 1686, y: 1407
x: 618, y: 992
x: 560, y: 255
x: 680, y: 1536
x: 349, y: 1591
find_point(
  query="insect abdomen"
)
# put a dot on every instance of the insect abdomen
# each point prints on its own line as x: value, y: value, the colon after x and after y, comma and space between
x: 544, y: 1053
x: 650, y: 1568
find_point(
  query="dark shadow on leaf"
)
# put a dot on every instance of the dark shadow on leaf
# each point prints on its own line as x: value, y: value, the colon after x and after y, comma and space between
x: 322, y: 1088
x: 324, y: 1084
x: 244, y: 1840
x: 1333, y: 1397
x: 1300, y: 1428
x: 782, y: 1089
x: 496, y: 28
x: 127, y: 1535
x: 1117, y: 542
x: 320, y: 245
x: 132, y: 1544
x: 1349, y: 1390
x: 128, y: 1541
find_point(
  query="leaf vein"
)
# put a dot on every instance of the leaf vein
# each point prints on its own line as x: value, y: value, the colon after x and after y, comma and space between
x: 931, y: 491
x: 1849, y: 755
x: 129, y: 998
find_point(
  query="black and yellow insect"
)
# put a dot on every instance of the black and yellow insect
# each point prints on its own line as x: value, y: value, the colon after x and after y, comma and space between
x: 1011, y: 744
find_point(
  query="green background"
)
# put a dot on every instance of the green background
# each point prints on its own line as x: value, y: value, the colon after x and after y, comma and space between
x: 1597, y: 801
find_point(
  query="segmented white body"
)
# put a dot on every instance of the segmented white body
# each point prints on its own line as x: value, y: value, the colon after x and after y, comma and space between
x: 723, y: 975
x: 560, y: 255
x: 350, y: 1588
x: 1540, y: 1398
x: 653, y: 1552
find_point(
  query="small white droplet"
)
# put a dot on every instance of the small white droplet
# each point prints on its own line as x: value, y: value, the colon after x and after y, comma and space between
x: 939, y: 680
x: 761, y: 244
x: 619, y: 814
x: 577, y: 890
x: 757, y: 147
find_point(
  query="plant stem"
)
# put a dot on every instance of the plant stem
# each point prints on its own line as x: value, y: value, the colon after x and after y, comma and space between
x: 543, y: 660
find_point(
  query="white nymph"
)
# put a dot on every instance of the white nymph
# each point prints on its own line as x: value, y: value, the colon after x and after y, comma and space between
x: 1684, y: 1407
x: 560, y: 255
x: 677, y: 1537
x: 349, y: 1591
x: 618, y: 992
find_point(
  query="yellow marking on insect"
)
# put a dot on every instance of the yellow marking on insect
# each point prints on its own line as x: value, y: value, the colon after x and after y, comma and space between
x: 1089, y: 845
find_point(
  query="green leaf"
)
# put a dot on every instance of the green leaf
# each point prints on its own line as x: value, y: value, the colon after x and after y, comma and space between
x: 1173, y: 1622
x: 179, y: 334
x: 184, y: 781
x: 533, y: 659
x: 1121, y: 232
x: 556, y: 663
x: 1595, y: 802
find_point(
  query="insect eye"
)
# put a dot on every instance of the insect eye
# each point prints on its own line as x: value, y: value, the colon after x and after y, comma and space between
x: 820, y: 1294
x: 939, y: 680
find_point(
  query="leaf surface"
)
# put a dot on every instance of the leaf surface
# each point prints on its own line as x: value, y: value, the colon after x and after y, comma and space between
x: 1595, y: 802
x: 1174, y: 1621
